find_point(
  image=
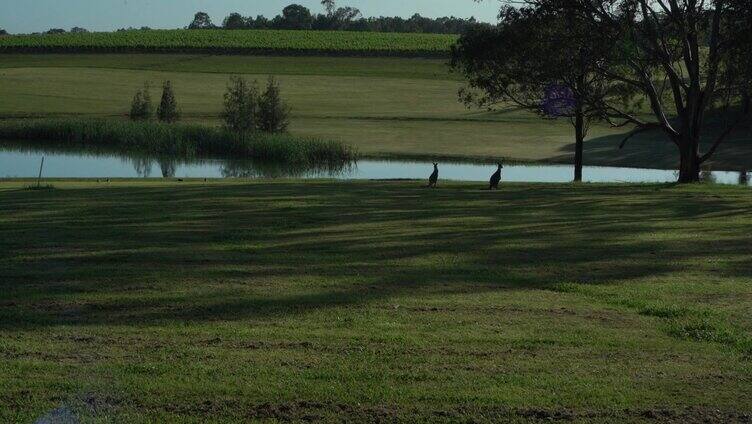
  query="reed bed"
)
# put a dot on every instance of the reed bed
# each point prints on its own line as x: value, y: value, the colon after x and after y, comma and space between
x: 177, y: 140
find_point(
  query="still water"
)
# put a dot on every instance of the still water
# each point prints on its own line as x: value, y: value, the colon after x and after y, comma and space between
x: 24, y: 163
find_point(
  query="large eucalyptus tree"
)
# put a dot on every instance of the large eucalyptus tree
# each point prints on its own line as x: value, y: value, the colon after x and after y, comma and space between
x: 681, y: 55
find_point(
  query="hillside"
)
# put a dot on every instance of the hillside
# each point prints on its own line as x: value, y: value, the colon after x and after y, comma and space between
x: 384, y: 106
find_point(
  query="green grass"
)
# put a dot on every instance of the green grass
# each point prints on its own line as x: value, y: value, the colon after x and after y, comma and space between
x: 232, y: 301
x: 384, y: 107
x: 381, y: 67
x: 237, y: 41
x: 175, y: 141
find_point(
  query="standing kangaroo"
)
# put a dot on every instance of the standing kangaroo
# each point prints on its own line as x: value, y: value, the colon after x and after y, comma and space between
x: 434, y: 178
x: 495, y: 179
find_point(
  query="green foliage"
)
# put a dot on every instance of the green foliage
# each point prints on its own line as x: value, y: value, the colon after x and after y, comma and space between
x: 158, y: 139
x: 296, y: 16
x: 273, y: 114
x: 201, y: 20
x: 141, y: 107
x: 234, y: 21
x: 330, y: 42
x: 168, y: 106
x: 240, y: 105
x: 246, y: 110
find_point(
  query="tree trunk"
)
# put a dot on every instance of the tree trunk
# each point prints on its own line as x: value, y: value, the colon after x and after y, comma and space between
x: 689, y: 167
x: 746, y: 103
x: 579, y: 127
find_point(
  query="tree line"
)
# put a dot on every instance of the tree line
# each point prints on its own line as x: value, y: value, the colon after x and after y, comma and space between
x: 297, y: 17
x: 681, y: 67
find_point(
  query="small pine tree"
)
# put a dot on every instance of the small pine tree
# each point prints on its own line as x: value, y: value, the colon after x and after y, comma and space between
x: 241, y: 101
x: 273, y: 114
x: 168, y: 106
x: 141, y: 107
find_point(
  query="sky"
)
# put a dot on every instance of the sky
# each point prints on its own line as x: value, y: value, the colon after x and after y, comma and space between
x: 24, y: 16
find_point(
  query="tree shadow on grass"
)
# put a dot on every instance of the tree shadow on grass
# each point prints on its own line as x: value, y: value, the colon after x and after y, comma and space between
x: 652, y: 149
x: 260, y: 251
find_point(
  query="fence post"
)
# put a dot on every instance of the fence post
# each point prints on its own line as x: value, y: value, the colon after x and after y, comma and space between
x: 39, y: 179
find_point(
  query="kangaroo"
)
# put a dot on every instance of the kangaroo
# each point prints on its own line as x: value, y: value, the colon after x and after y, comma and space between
x: 495, y: 179
x: 434, y: 178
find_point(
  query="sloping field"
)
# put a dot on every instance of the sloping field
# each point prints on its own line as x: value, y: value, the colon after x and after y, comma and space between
x: 388, y: 107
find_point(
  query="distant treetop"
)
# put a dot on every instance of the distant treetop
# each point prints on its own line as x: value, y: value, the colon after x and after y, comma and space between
x: 201, y: 21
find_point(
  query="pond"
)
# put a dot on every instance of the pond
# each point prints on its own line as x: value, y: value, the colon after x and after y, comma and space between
x: 24, y: 163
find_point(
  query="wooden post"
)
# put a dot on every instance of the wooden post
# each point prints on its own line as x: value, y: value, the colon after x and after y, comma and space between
x: 39, y: 179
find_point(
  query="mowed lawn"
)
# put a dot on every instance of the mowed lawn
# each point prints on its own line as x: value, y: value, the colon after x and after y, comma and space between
x: 388, y: 107
x: 156, y: 301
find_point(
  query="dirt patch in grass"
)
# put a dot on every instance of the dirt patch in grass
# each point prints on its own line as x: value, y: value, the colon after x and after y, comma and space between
x: 311, y: 411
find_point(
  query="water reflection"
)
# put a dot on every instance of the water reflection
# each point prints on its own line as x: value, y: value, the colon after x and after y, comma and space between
x: 168, y: 166
x: 142, y: 167
x: 257, y: 169
x: 707, y: 176
x: 243, y: 168
x: 22, y: 161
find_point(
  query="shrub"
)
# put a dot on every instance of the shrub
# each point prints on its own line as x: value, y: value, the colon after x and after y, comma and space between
x: 141, y: 107
x: 168, y: 106
x: 241, y: 101
x: 273, y: 113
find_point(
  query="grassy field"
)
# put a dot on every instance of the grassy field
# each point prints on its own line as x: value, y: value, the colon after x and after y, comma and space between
x: 233, y: 301
x: 237, y: 41
x: 388, y: 107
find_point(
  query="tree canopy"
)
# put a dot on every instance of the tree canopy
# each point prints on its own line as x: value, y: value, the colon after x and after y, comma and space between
x: 688, y: 60
x: 201, y: 20
x: 296, y: 16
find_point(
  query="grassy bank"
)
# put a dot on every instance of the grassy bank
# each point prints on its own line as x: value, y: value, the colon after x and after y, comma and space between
x: 177, y: 140
x: 228, y: 301
x: 386, y: 107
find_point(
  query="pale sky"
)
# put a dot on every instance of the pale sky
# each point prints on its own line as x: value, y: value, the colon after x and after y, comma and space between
x: 23, y: 16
